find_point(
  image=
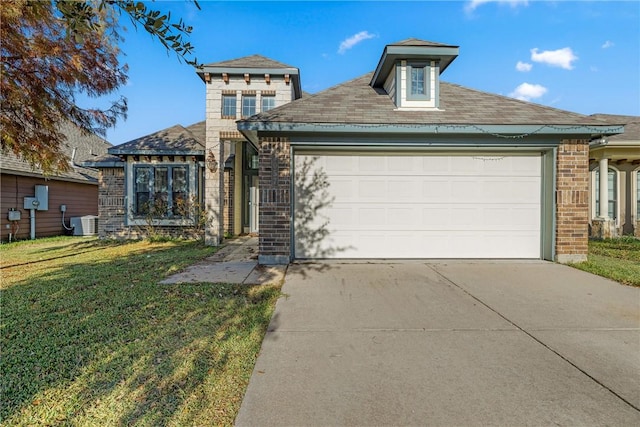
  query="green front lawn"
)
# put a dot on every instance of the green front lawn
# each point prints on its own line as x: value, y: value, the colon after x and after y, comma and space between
x: 616, y: 259
x: 88, y: 337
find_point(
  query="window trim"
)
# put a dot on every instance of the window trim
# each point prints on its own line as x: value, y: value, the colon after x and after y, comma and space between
x: 247, y: 97
x: 595, y: 194
x: 235, y: 106
x: 426, y: 66
x: 262, y: 99
x: 635, y: 197
x: 132, y: 218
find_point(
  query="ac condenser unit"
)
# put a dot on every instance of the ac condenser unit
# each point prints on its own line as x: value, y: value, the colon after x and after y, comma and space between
x: 84, y: 225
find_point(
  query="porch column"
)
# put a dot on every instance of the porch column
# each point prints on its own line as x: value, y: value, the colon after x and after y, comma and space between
x: 604, y: 189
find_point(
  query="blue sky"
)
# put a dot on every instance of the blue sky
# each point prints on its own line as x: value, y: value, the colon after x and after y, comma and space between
x: 581, y: 56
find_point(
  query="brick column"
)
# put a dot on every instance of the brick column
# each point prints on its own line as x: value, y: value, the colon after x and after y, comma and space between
x: 572, y: 205
x: 275, y: 201
x: 111, y: 208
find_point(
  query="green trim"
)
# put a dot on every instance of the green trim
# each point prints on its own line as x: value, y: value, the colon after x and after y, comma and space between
x: 505, y: 131
x: 104, y: 165
x: 445, y: 54
x: 436, y: 91
x: 152, y: 152
x: 398, y: 71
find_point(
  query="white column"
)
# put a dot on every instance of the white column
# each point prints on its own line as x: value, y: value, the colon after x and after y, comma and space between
x: 604, y: 189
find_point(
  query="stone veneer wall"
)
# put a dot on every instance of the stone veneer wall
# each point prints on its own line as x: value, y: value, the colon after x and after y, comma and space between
x: 572, y: 201
x: 275, y: 201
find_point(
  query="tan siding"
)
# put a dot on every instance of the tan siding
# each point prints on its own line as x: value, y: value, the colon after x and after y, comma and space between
x: 81, y: 199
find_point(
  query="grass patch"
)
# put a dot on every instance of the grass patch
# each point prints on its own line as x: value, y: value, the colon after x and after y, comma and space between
x: 616, y: 259
x: 88, y: 337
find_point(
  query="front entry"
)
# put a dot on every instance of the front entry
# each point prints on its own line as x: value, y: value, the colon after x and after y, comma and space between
x: 250, y: 202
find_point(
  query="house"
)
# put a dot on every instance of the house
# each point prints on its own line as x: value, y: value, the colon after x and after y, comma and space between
x: 620, y: 188
x: 392, y: 164
x: 399, y: 164
x: 75, y: 189
x: 209, y: 162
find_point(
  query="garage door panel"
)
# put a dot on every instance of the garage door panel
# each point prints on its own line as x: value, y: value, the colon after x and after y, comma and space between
x: 436, y: 207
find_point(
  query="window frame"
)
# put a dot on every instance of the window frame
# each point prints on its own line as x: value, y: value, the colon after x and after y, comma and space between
x: 635, y: 194
x: 426, y: 84
x: 244, y: 106
x: 271, y: 98
x: 227, y: 108
x: 188, y: 185
x: 595, y: 192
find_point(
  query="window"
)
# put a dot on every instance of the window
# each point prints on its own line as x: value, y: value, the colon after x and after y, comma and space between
x: 268, y: 102
x: 248, y: 105
x: 160, y: 190
x: 638, y: 195
x: 229, y: 106
x: 418, y: 79
x: 612, y: 210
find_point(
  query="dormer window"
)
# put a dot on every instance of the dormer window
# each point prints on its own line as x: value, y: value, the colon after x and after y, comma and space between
x: 409, y: 72
x: 418, y: 79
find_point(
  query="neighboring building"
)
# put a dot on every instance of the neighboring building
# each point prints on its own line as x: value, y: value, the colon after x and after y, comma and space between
x: 76, y: 189
x: 221, y: 165
x: 393, y: 164
x: 620, y: 189
x: 397, y: 164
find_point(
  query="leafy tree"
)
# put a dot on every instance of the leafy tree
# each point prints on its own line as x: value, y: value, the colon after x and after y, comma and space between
x: 52, y: 51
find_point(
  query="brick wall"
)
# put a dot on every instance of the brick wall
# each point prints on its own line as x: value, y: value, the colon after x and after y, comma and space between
x: 275, y: 201
x: 572, y: 201
x: 111, y: 207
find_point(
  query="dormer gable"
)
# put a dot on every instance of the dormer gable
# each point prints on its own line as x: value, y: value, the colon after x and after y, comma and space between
x: 409, y: 71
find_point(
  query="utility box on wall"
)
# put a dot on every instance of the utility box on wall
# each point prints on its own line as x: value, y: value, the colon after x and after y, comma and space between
x: 42, y: 196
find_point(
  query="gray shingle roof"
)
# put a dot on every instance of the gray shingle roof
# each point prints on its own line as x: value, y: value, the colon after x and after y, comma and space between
x: 87, y: 147
x: 356, y: 102
x: 631, y: 126
x: 417, y: 42
x: 176, y: 139
x: 252, y: 61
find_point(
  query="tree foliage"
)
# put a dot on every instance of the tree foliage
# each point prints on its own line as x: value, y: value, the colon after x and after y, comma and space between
x: 54, y: 50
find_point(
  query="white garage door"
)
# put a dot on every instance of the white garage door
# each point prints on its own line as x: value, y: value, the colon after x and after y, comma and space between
x: 417, y: 206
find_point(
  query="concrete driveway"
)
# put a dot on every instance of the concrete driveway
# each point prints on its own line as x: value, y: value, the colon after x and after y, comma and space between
x: 448, y: 343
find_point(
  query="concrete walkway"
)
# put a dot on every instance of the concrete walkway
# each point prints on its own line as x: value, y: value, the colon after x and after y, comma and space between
x: 450, y: 343
x: 235, y: 262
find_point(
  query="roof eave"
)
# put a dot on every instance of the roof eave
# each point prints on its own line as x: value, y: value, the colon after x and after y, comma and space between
x: 248, y: 128
x: 446, y: 55
x: 291, y: 71
x: 152, y: 152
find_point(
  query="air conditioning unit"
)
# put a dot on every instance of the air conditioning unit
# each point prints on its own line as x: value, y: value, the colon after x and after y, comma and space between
x: 84, y: 225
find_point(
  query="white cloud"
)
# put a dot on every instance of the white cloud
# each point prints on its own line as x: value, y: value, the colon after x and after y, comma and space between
x: 562, y: 58
x: 474, y: 4
x: 350, y: 42
x: 528, y: 91
x: 608, y: 44
x: 523, y: 66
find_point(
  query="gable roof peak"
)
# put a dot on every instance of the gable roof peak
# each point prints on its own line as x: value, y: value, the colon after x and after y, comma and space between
x: 412, y: 41
x: 250, y: 61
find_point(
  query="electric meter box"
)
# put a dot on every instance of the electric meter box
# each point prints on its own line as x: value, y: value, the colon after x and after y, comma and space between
x: 42, y: 195
x: 14, y: 216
